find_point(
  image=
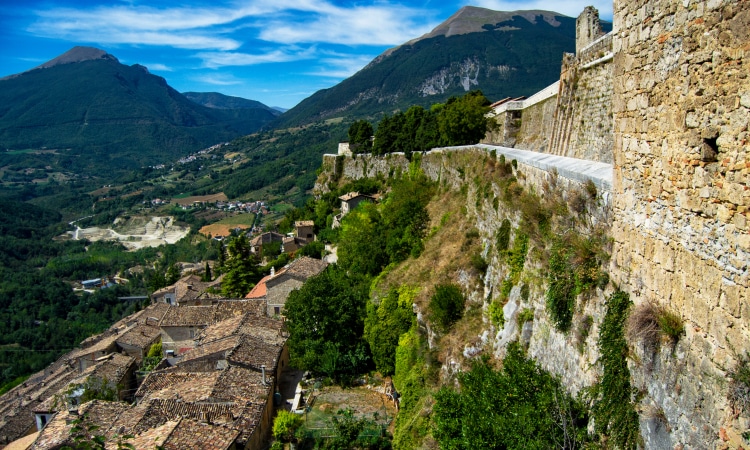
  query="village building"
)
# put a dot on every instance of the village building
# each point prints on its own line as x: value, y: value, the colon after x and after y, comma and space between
x: 275, y: 288
x: 269, y: 237
x: 348, y: 203
x: 238, y: 353
x: 181, y: 324
x: 114, y: 372
x: 137, y: 340
x: 305, y: 230
x: 190, y: 289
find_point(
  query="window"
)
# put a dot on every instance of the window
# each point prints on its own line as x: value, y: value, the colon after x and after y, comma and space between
x: 276, y: 310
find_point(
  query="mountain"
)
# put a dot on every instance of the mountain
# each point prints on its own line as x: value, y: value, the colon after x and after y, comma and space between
x: 98, y: 114
x: 221, y: 101
x: 504, y: 54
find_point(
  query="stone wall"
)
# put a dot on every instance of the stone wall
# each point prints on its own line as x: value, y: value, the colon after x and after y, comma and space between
x: 536, y: 126
x: 579, y: 123
x: 582, y: 125
x: 682, y: 202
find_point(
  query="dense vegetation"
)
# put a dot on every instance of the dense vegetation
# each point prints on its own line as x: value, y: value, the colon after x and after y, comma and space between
x: 518, y: 407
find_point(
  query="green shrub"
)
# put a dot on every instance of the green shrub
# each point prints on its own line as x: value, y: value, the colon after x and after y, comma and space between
x: 520, y: 406
x: 649, y: 323
x: 495, y: 311
x: 614, y: 408
x: 479, y: 263
x: 503, y: 236
x: 590, y: 188
x: 583, y: 330
x: 526, y: 315
x: 505, y: 288
x: 560, y: 298
x: 670, y: 324
x: 446, y: 305
x: 286, y: 424
x: 525, y: 292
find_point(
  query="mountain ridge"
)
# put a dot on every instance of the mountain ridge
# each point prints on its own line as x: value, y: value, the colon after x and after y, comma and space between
x: 107, y: 115
x: 516, y: 53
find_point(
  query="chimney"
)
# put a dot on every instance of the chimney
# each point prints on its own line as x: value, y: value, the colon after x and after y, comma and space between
x: 263, y: 371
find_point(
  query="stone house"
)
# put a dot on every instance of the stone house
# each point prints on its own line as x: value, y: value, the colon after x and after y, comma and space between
x: 181, y: 324
x: 118, y: 419
x: 348, y: 203
x: 137, y: 340
x: 305, y: 230
x: 275, y: 288
x: 268, y: 237
x: 113, y: 371
x: 291, y: 244
x: 187, y: 290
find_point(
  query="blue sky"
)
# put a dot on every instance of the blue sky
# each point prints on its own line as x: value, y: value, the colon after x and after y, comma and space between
x: 274, y: 51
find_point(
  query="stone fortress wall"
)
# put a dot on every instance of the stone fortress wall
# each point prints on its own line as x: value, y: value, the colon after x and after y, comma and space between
x: 682, y: 197
x: 664, y: 100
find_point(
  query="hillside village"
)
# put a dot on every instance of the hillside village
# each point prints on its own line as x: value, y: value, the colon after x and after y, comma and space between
x: 215, y: 386
x: 636, y: 143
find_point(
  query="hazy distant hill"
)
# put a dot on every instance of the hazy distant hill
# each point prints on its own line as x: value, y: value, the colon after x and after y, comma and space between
x: 102, y: 114
x: 221, y: 101
x: 502, y: 53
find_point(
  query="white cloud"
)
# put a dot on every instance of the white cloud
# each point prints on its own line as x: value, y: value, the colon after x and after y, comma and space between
x: 218, y: 28
x: 221, y: 59
x: 340, y: 66
x: 219, y: 80
x: 159, y: 67
x: 360, y: 25
x: 571, y: 8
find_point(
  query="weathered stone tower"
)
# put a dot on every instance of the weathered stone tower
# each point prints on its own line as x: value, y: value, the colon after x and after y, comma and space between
x: 588, y: 28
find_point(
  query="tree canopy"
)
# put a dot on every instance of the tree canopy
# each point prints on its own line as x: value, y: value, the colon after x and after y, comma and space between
x: 326, y: 322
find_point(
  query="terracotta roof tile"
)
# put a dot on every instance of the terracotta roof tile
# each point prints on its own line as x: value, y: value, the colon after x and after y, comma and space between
x: 190, y: 434
x: 226, y: 309
x: 183, y: 316
x: 306, y: 267
x: 140, y: 335
x: 154, y: 437
x: 259, y: 290
x: 187, y: 386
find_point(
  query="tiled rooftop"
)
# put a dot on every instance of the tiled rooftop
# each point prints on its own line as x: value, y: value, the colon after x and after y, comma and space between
x: 306, y: 267
x: 183, y: 316
x: 140, y: 335
x: 226, y: 309
x: 260, y: 326
x: 259, y: 290
x: 191, y: 434
x: 234, y: 396
x: 152, y: 314
x: 186, y: 386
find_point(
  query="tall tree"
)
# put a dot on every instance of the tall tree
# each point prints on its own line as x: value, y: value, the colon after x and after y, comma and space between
x: 362, y: 241
x: 242, y: 270
x: 360, y: 136
x: 384, y: 325
x: 326, y: 321
x: 462, y: 120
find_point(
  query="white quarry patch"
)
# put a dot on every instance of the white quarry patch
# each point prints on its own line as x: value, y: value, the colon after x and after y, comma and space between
x: 134, y: 233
